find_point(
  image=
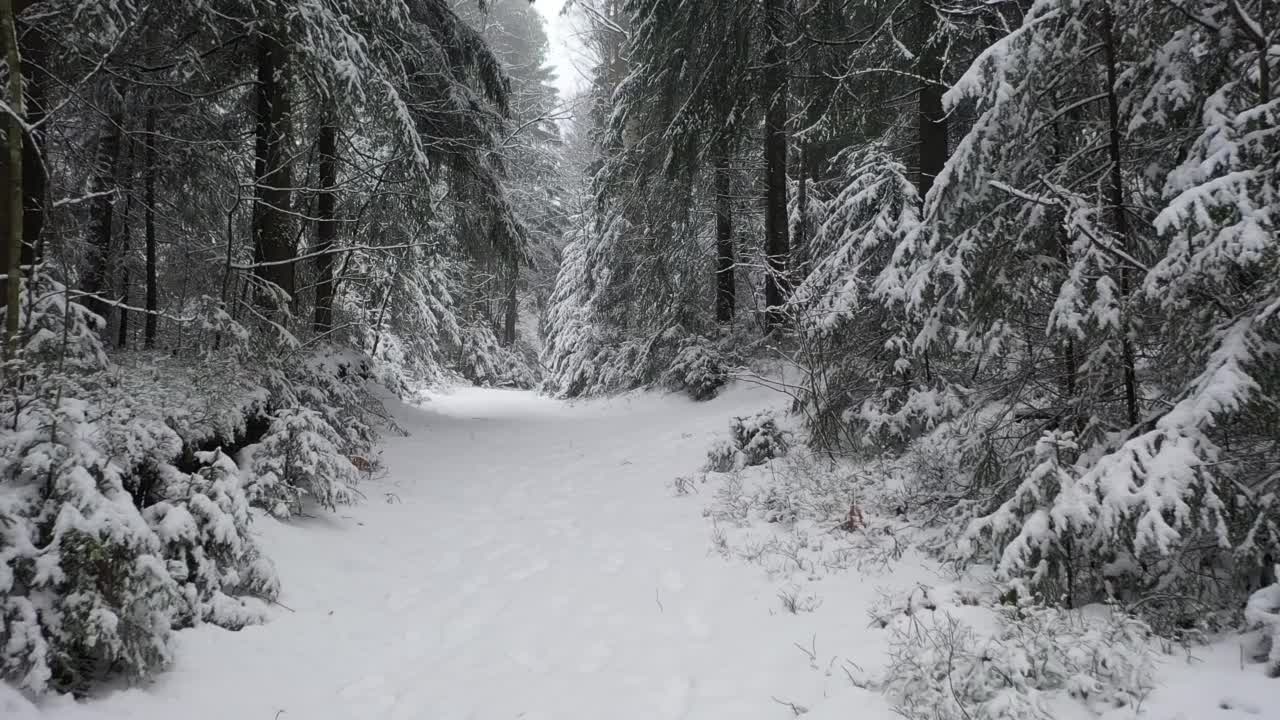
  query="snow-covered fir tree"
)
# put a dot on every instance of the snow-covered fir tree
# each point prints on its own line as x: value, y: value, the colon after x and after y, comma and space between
x: 1046, y: 243
x: 227, y: 223
x: 1016, y: 265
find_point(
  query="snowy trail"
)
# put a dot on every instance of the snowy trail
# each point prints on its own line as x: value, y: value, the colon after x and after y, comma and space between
x: 523, y: 558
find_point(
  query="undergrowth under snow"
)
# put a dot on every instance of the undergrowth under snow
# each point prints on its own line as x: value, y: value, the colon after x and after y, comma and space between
x: 524, y: 557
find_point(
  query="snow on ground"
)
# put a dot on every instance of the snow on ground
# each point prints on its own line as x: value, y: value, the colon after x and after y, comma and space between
x: 525, y: 558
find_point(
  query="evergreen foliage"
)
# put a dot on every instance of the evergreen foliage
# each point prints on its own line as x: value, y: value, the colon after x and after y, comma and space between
x: 1029, y: 249
x: 1037, y: 240
x: 230, y: 220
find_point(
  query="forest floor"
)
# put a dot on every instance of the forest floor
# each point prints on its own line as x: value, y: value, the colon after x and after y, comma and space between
x: 521, y: 557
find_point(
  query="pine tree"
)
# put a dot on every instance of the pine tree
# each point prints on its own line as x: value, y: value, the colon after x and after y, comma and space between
x: 291, y: 170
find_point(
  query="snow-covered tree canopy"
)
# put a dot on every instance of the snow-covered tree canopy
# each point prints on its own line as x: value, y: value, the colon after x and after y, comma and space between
x: 225, y: 220
x: 1025, y: 254
x: 1043, y: 234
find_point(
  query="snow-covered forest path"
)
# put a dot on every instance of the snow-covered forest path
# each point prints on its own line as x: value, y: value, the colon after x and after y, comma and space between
x: 522, y: 558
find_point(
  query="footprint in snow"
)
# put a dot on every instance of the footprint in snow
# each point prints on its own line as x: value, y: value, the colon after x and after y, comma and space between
x: 530, y: 571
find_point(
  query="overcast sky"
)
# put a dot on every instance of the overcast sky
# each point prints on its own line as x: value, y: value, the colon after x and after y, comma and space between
x: 560, y: 35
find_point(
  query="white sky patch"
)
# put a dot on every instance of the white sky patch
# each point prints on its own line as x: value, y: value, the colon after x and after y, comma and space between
x: 563, y: 49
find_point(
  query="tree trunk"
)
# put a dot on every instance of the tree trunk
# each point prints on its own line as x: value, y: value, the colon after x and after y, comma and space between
x: 513, y: 303
x: 33, y: 45
x: 96, y: 279
x: 272, y: 240
x: 775, y: 91
x: 13, y: 184
x: 326, y: 227
x: 1120, y: 222
x: 800, y: 240
x: 931, y: 117
x: 816, y: 93
x: 726, y: 260
x: 149, y: 222
x: 122, y: 337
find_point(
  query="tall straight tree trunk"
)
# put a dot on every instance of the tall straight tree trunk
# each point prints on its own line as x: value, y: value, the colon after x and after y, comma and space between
x: 149, y: 228
x: 96, y: 279
x: 326, y: 226
x: 272, y: 241
x: 13, y: 183
x: 931, y: 117
x: 1120, y: 222
x: 776, y: 231
x: 122, y: 337
x: 33, y: 44
x: 726, y: 260
x: 512, y: 314
x: 815, y: 93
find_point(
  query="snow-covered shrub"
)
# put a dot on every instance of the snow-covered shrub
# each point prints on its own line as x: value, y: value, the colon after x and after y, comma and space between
x: 853, y: 343
x: 85, y: 589
x: 732, y: 503
x: 415, y: 309
x: 624, y: 299
x: 203, y: 526
x: 926, y: 481
x: 682, y: 485
x: 807, y: 487
x: 1025, y: 530
x: 1263, y: 611
x: 155, y: 402
x: 301, y: 458
x: 605, y: 363
x: 105, y: 545
x: 1109, y: 373
x: 115, y: 526
x: 777, y: 505
x: 753, y: 440
x: 942, y: 669
x: 722, y: 456
x: 335, y: 384
x: 585, y: 354
x: 325, y: 415
x: 697, y: 369
x: 482, y: 360
x: 1135, y: 524
x: 59, y: 332
x: 802, y: 514
x: 901, y: 612
x: 613, y: 326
